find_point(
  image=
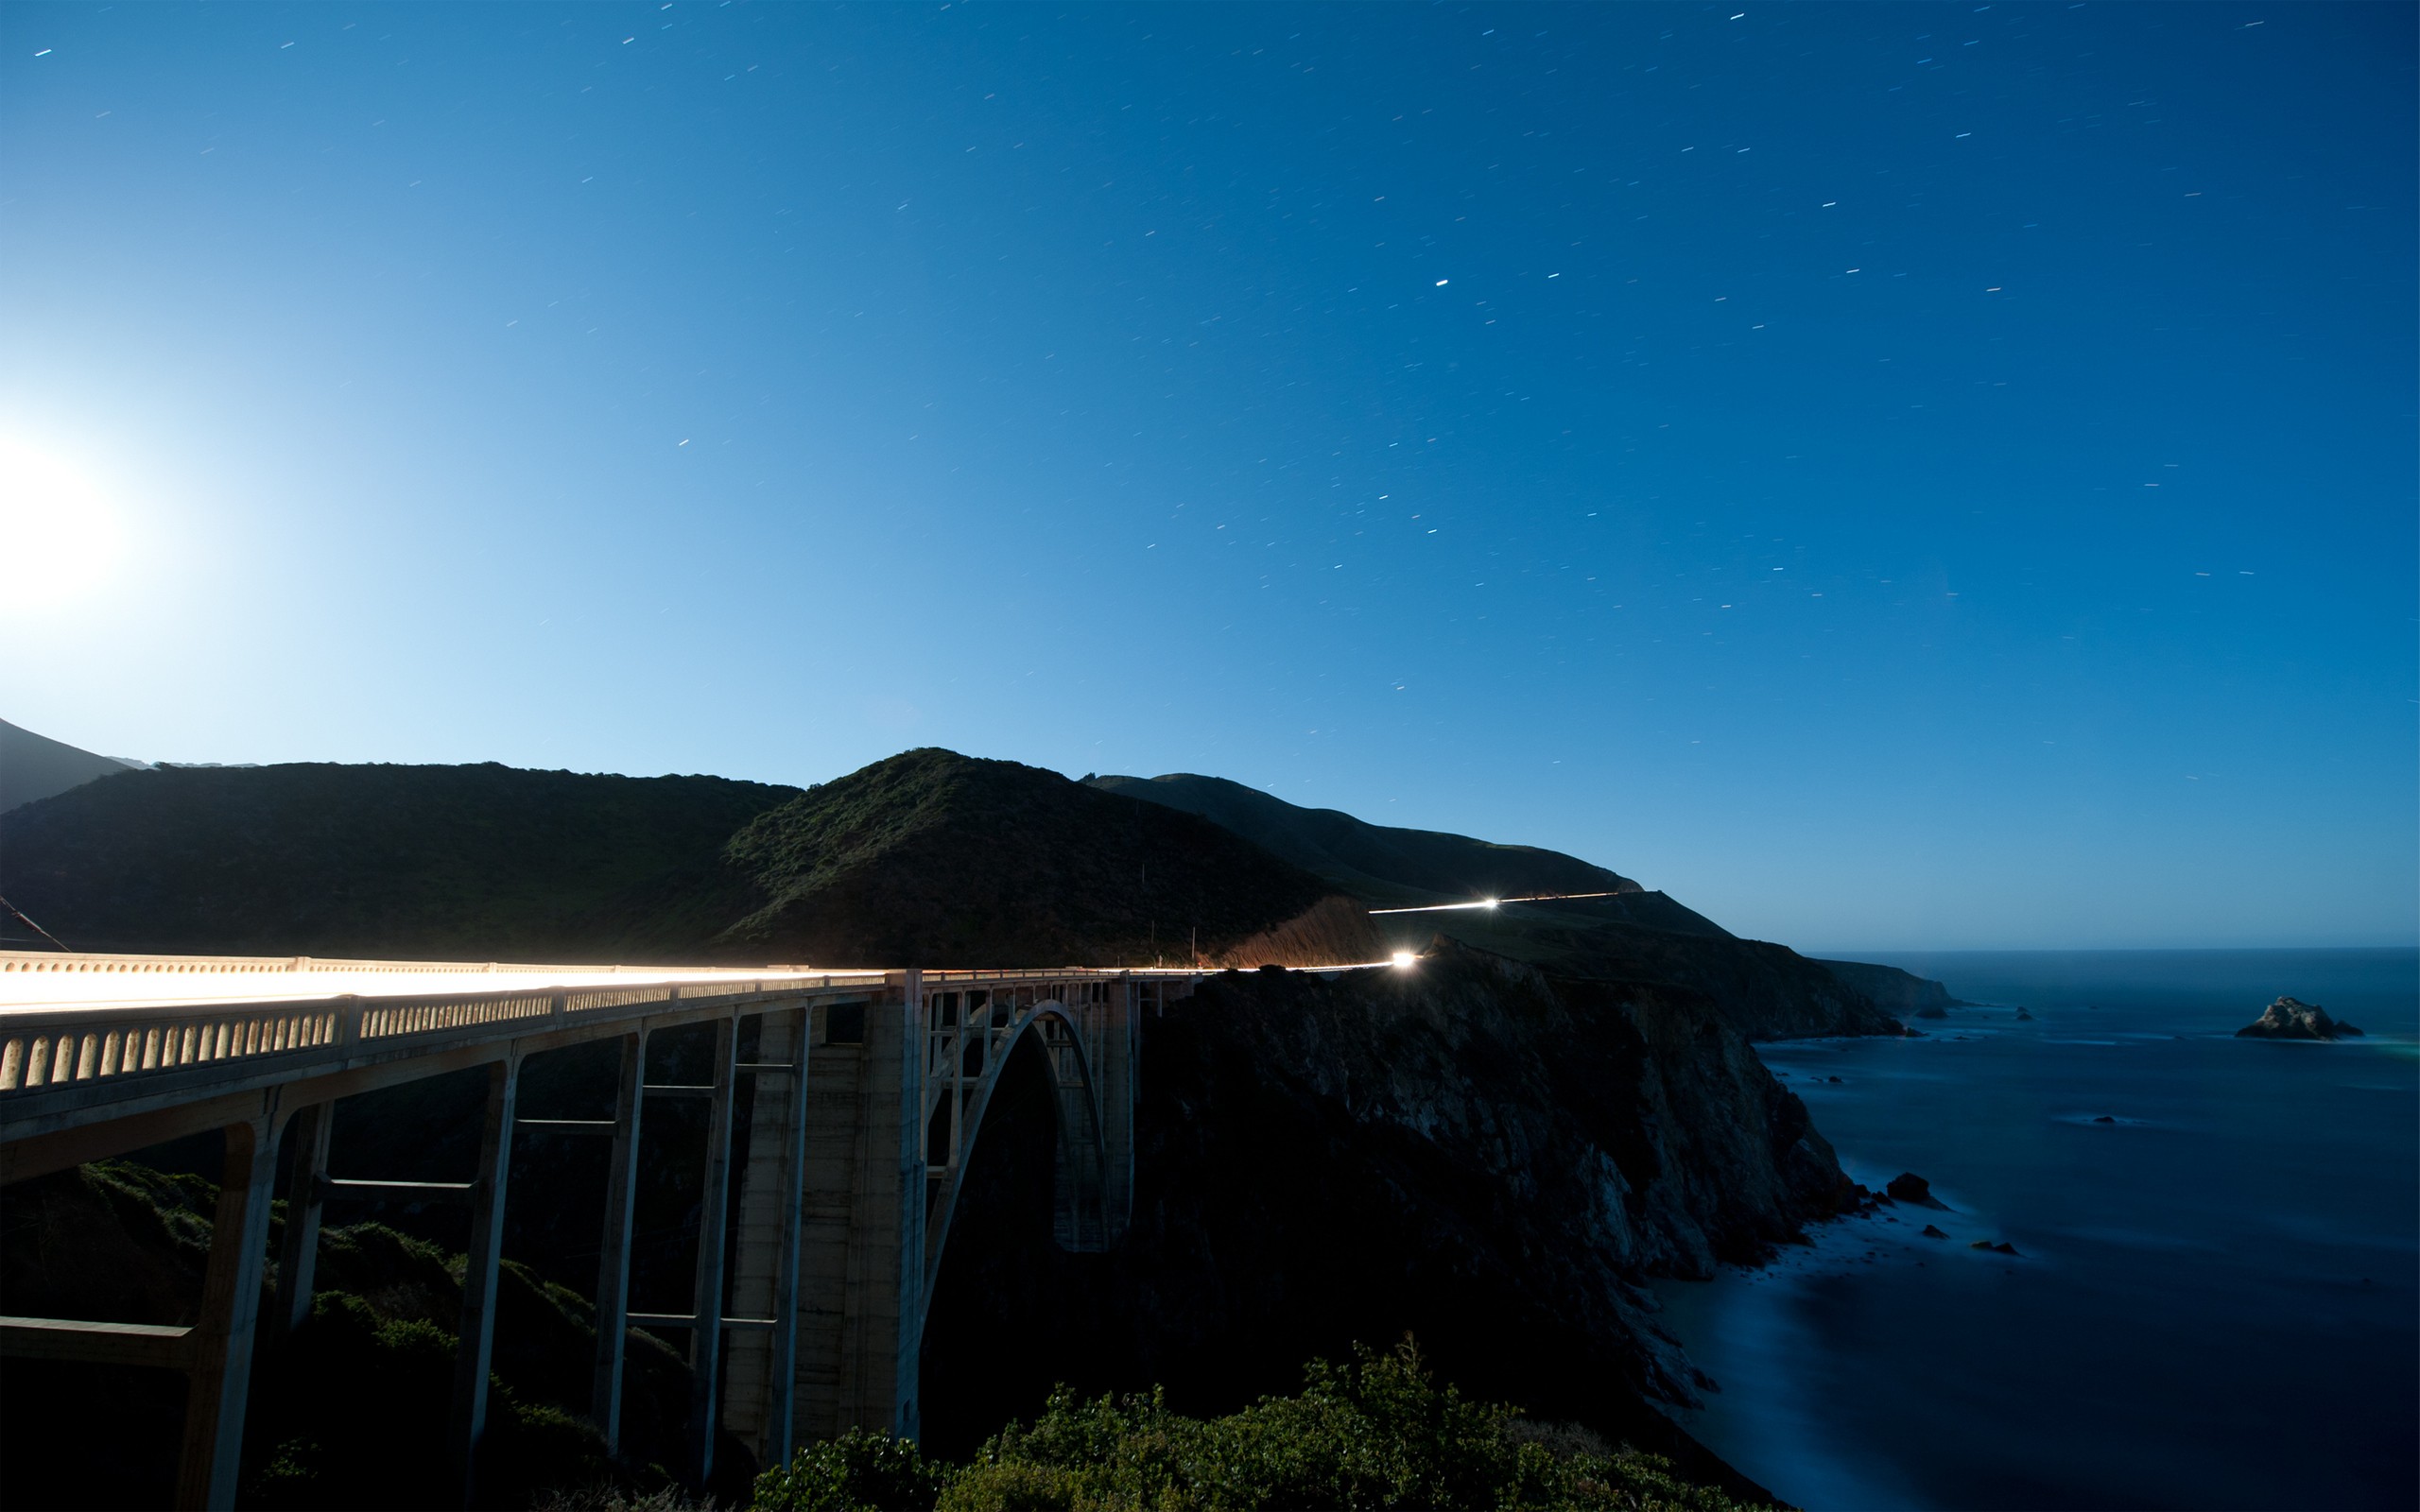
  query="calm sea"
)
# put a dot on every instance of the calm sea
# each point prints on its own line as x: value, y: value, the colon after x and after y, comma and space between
x: 2216, y: 1301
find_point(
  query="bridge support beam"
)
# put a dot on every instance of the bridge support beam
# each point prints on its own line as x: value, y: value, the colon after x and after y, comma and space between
x: 613, y: 1246
x: 1116, y: 1055
x: 705, y: 1332
x: 860, y: 1304
x: 761, y: 1382
x: 298, y: 1259
x: 220, y: 1360
x: 477, y: 1346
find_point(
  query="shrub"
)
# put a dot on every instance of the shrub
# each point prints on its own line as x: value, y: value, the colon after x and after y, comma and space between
x: 1378, y: 1432
x: 857, y: 1471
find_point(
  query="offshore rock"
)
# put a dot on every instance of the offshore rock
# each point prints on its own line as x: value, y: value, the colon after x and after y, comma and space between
x: 2292, y: 1018
x: 1909, y: 1187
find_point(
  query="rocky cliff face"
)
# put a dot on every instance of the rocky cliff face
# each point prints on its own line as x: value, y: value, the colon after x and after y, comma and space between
x: 1474, y: 1151
x: 1766, y: 992
x: 1892, y: 989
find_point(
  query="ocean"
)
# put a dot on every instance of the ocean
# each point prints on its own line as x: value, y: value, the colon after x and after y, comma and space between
x: 2215, y: 1302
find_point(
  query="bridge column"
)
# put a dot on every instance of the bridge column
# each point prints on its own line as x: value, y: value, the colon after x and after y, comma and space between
x: 706, y: 1333
x: 761, y: 1382
x: 860, y: 1303
x: 222, y: 1342
x: 613, y: 1246
x: 298, y: 1260
x: 1116, y: 1073
x: 478, y: 1342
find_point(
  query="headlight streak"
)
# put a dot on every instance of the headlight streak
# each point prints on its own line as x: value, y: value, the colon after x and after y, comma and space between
x: 1492, y: 902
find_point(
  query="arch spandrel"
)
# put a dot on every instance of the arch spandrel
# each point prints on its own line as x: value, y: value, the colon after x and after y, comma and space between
x: 1082, y: 1158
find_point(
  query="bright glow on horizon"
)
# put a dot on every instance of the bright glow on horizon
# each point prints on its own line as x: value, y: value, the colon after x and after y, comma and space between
x: 1404, y: 960
x: 62, y: 536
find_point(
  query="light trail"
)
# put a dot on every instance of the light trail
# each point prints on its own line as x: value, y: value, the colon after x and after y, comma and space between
x: 1492, y: 903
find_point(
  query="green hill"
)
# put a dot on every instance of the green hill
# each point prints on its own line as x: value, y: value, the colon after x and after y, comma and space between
x: 477, y: 862
x: 1634, y: 936
x: 929, y: 859
x: 1395, y: 868
x: 936, y: 859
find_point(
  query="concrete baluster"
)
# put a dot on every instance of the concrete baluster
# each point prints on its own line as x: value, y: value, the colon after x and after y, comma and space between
x: 614, y: 1254
x: 221, y: 1362
x: 480, y: 1261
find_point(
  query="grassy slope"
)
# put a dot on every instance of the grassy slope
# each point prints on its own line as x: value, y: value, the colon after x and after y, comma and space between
x: 1390, y: 867
x: 928, y: 858
x: 945, y: 860
x: 1767, y: 990
x: 477, y: 862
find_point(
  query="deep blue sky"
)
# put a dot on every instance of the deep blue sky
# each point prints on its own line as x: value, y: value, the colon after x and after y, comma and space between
x: 1912, y: 476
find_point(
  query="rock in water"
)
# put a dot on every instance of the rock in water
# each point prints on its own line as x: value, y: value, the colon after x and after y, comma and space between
x: 2104, y: 1119
x: 2023, y: 1017
x: 1931, y: 1231
x: 1909, y: 1187
x: 2292, y: 1018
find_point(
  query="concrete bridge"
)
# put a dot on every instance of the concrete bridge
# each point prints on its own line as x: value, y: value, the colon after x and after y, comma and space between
x: 868, y: 1092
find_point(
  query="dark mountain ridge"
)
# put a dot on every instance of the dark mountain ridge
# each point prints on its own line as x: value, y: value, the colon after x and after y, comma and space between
x: 1634, y: 936
x: 1389, y: 867
x: 34, y: 766
x: 928, y: 857
x: 318, y: 859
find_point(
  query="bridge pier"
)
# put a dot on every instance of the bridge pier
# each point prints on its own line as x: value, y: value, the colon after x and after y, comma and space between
x: 706, y: 1327
x: 298, y: 1261
x: 219, y: 1362
x: 844, y: 1200
x: 861, y: 1274
x: 613, y: 1243
x: 761, y: 1380
x: 476, y: 1345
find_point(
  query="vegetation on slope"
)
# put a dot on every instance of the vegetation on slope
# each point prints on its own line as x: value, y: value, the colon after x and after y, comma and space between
x: 1472, y: 1152
x: 1634, y: 936
x: 478, y: 862
x: 1378, y: 1432
x: 1387, y: 866
x: 349, y: 1410
x: 939, y: 859
x: 928, y: 858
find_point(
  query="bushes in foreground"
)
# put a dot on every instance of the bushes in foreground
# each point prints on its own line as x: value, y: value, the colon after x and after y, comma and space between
x: 1379, y: 1433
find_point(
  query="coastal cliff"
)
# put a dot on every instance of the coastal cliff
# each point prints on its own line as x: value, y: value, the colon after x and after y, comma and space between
x: 1473, y: 1151
x: 1892, y: 989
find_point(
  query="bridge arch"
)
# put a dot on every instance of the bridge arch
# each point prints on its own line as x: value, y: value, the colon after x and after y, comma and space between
x: 975, y: 1044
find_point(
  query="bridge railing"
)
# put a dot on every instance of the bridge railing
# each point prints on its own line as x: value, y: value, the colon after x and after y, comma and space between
x: 50, y: 1045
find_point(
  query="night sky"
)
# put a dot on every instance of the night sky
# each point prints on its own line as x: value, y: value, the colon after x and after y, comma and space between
x: 1895, y: 477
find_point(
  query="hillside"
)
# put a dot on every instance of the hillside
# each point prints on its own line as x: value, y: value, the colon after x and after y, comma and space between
x: 1388, y: 867
x: 315, y: 859
x: 1769, y: 992
x: 928, y: 858
x: 939, y: 859
x: 1489, y: 1157
x: 34, y: 766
